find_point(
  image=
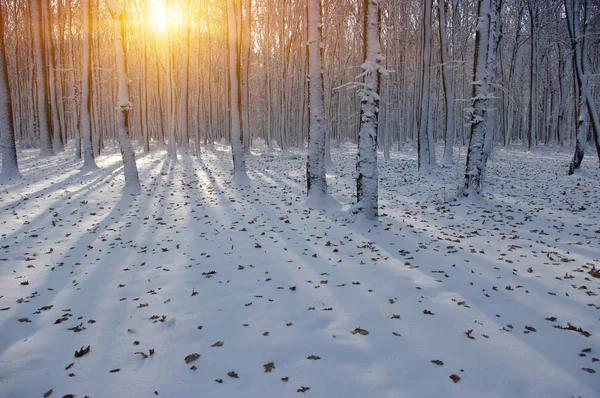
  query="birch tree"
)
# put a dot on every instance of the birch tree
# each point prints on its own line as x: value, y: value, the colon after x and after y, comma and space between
x: 486, y: 36
x: 316, y: 178
x: 42, y: 94
x: 237, y: 149
x: 132, y: 182
x: 10, y: 166
x: 366, y: 182
x: 86, y: 84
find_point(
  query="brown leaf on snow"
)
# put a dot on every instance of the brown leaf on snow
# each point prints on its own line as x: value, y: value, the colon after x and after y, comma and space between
x: 285, y: 379
x: 233, y: 375
x: 362, y: 332
x: 303, y: 389
x: 455, y: 378
x: 427, y: 312
x: 218, y: 344
x: 269, y: 367
x: 191, y: 357
x: 82, y: 352
x: 589, y: 370
x: 48, y: 393
x: 115, y: 370
x: 574, y: 328
x: 437, y: 362
x: 313, y: 357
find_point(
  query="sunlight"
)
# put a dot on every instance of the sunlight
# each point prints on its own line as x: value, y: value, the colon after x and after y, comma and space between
x: 162, y: 17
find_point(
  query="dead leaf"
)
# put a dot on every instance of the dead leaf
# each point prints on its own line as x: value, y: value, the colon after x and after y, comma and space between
x: 437, y: 362
x: 269, y: 367
x: 115, y: 370
x: 303, y: 389
x: 218, y: 344
x: 82, y: 352
x: 285, y: 379
x: 313, y: 357
x: 48, y: 393
x: 455, y: 378
x: 233, y: 375
x: 191, y: 357
x: 589, y: 370
x: 362, y: 332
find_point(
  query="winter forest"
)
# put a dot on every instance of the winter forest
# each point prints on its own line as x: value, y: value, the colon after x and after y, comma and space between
x: 250, y: 198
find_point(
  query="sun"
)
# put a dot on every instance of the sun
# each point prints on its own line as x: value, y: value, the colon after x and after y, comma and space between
x: 159, y: 17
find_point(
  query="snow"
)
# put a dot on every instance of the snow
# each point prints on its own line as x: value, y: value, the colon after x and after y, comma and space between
x: 243, y: 261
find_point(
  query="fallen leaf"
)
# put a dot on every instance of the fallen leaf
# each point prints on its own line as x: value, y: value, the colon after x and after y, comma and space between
x: 437, y: 362
x: 233, y: 375
x: 362, y: 332
x: 191, y: 357
x: 48, y: 393
x: 218, y: 344
x: 313, y: 357
x: 269, y: 367
x: 82, y: 352
x: 115, y: 370
x: 303, y: 389
x: 455, y: 378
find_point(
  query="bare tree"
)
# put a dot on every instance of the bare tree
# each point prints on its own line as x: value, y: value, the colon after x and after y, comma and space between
x: 42, y: 94
x: 237, y: 149
x: 366, y: 182
x: 316, y: 178
x: 10, y: 166
x: 132, y: 182
x: 86, y: 84
x: 486, y: 40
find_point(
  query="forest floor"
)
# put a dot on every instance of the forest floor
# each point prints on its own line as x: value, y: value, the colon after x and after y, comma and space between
x: 108, y: 295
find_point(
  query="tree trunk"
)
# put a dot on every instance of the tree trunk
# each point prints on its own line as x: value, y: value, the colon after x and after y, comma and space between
x: 366, y: 182
x: 237, y: 149
x: 316, y: 179
x: 10, y: 166
x: 86, y: 85
x: 448, y: 86
x: 488, y: 12
x: 45, y: 128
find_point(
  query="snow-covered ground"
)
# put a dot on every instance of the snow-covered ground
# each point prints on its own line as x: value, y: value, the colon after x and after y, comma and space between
x: 439, y: 298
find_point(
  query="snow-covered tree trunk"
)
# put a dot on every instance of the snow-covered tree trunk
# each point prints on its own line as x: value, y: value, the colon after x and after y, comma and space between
x: 237, y: 149
x: 10, y: 166
x: 184, y: 80
x: 586, y: 105
x: 45, y: 128
x: 57, y: 143
x: 448, y: 86
x: 486, y: 36
x: 366, y: 182
x: 532, y: 128
x: 86, y: 84
x: 423, y: 144
x: 132, y: 182
x: 316, y: 179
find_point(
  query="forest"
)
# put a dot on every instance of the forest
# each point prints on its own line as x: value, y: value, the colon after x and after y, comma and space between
x: 387, y: 198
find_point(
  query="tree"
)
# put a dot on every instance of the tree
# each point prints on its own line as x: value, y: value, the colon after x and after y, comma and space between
x: 86, y: 83
x: 487, y: 35
x: 426, y: 144
x: 237, y: 150
x: 132, y: 181
x: 534, y: 22
x: 447, y: 83
x: 585, y: 105
x: 42, y: 94
x: 316, y: 178
x: 366, y: 182
x: 10, y: 166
